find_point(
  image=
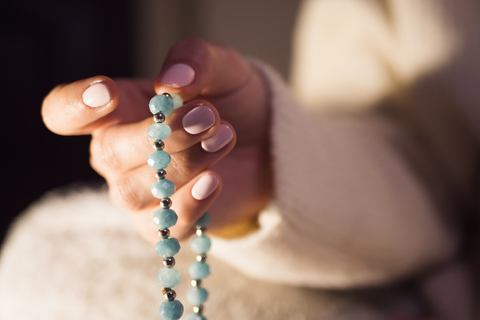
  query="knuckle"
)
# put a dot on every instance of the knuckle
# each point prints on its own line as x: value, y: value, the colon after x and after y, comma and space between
x: 95, y: 166
x: 182, y: 166
x: 125, y: 193
x: 104, y: 155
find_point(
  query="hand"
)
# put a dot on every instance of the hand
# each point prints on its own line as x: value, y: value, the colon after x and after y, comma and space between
x: 221, y: 81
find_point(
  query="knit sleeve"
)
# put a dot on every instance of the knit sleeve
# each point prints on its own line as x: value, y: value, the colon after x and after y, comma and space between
x: 363, y: 196
x: 347, y: 210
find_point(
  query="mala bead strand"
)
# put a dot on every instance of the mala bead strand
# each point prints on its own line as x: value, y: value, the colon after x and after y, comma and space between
x: 199, y: 270
x: 168, y: 277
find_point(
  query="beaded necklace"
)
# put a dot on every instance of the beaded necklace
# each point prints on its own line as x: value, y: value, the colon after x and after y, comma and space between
x: 168, y: 277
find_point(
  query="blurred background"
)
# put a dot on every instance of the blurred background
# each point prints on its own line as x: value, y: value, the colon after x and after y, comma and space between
x: 48, y: 42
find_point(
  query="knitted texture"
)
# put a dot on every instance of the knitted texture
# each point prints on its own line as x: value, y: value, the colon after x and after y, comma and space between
x: 74, y: 255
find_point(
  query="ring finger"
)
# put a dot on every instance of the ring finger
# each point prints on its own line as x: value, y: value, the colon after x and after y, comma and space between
x: 121, y: 148
x: 131, y: 189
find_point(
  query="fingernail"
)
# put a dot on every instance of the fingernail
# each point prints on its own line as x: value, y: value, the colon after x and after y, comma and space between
x: 198, y: 120
x: 219, y: 140
x: 178, y: 75
x: 204, y: 187
x: 96, y: 95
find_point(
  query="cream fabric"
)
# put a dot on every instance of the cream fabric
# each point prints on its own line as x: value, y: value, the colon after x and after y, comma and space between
x: 375, y: 155
x: 74, y: 255
x: 375, y: 159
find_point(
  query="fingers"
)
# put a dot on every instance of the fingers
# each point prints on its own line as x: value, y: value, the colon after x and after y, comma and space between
x: 91, y: 104
x: 196, y: 67
x: 122, y: 148
x: 189, y: 202
x: 131, y: 190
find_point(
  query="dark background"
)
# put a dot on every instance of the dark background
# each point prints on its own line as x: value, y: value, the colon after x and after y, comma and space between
x: 45, y: 43
x: 48, y: 42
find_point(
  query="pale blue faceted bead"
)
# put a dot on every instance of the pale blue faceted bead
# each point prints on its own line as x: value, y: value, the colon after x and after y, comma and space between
x: 163, y: 188
x: 177, y: 101
x: 167, y: 247
x: 199, y: 270
x: 165, y: 218
x: 159, y: 131
x: 200, y: 244
x: 161, y: 103
x: 158, y: 159
x: 195, y: 316
x: 168, y: 277
x: 204, y: 220
x: 197, y: 296
x: 171, y: 310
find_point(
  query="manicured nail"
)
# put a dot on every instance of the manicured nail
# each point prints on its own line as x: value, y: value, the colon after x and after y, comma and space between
x: 178, y: 75
x: 198, y: 120
x: 219, y: 140
x: 96, y: 95
x: 204, y: 187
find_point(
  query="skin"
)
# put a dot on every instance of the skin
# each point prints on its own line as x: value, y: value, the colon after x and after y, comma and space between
x: 224, y: 82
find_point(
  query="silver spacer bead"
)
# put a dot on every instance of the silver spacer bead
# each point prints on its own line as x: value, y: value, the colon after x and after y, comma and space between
x: 198, y: 309
x: 199, y: 232
x: 165, y: 203
x: 159, y: 117
x: 164, y: 233
x: 201, y: 257
x: 167, y: 94
x: 158, y: 145
x: 196, y: 283
x: 169, y: 262
x: 160, y: 174
x: 169, y: 294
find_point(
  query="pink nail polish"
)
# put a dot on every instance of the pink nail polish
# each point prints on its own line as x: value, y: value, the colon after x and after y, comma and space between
x: 96, y: 95
x: 198, y: 120
x: 178, y: 75
x: 219, y: 140
x: 204, y: 187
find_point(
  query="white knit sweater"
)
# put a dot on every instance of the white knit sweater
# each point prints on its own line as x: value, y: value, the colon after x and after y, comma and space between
x: 374, y: 158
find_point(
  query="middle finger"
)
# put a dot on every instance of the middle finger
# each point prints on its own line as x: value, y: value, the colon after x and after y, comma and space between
x: 121, y: 148
x: 131, y: 190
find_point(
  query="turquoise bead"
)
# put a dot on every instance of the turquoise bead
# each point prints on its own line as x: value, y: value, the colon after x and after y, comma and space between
x: 158, y: 160
x: 163, y: 188
x: 165, y: 218
x: 195, y: 316
x: 171, y: 310
x: 168, y: 277
x: 197, y: 296
x: 204, y: 220
x: 159, y: 131
x: 177, y: 101
x: 161, y: 103
x: 167, y: 247
x: 200, y: 244
x: 199, y: 270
